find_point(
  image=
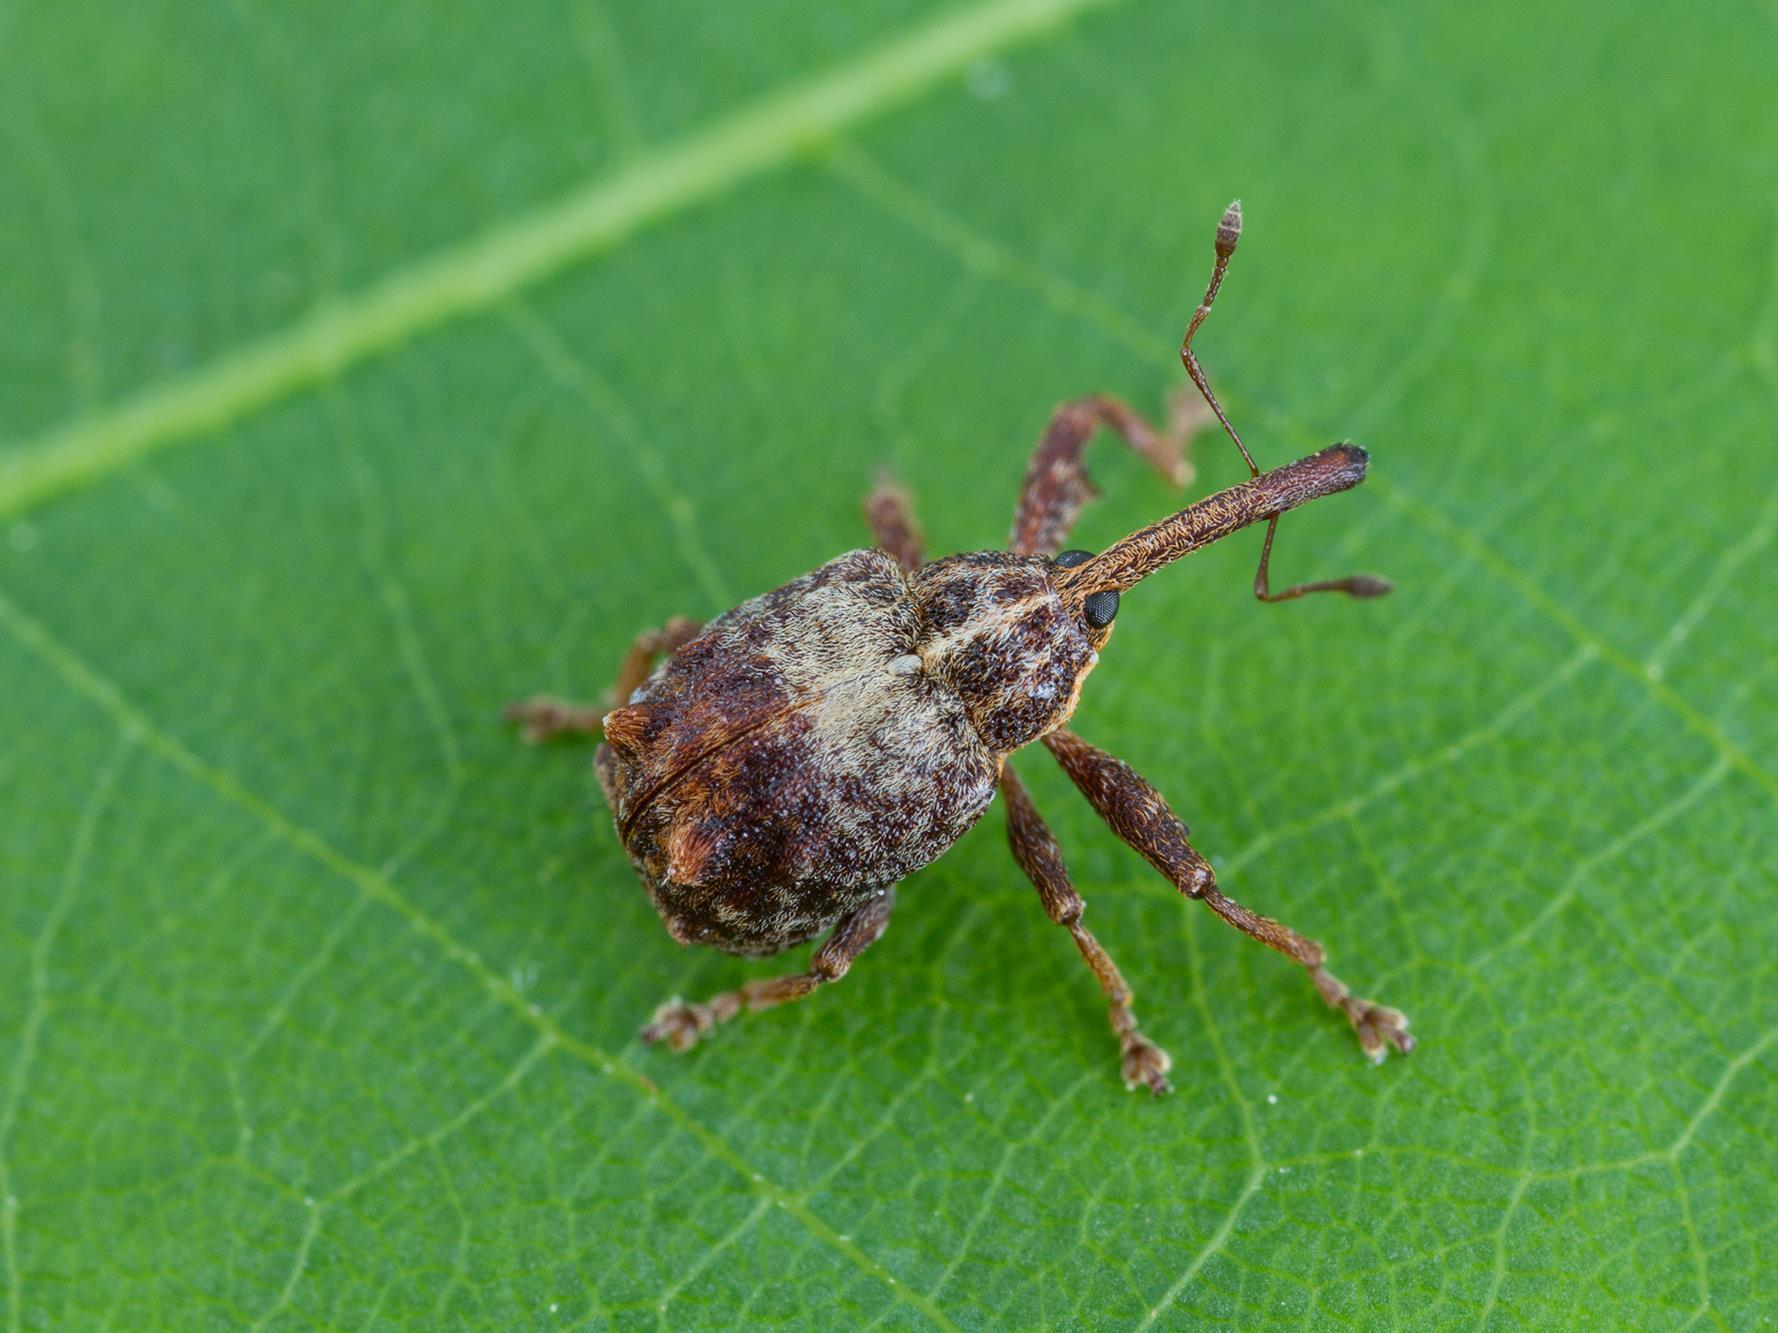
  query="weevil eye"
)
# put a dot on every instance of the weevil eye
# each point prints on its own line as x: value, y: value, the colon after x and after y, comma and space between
x: 1069, y: 559
x: 1100, y: 608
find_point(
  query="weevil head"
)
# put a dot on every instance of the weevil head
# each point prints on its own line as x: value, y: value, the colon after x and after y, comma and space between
x: 995, y: 627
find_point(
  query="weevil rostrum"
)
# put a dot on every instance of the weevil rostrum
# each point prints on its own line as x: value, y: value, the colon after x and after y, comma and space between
x: 784, y: 766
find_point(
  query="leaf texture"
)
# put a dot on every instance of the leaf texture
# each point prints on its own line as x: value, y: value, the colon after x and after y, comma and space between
x: 366, y: 368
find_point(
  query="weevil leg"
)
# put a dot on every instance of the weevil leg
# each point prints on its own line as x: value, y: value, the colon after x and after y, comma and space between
x: 543, y: 717
x: 890, y: 513
x: 1140, y: 816
x: 680, y: 1023
x: 1056, y: 483
x: 1034, y: 847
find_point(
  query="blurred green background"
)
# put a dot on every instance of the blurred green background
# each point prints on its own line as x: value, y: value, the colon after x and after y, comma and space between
x: 363, y: 367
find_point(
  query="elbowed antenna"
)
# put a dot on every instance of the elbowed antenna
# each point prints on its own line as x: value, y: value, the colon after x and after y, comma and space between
x: 1228, y: 235
x: 1120, y: 566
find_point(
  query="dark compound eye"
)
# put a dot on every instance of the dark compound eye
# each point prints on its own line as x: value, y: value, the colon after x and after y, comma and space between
x: 1069, y: 559
x: 1100, y: 608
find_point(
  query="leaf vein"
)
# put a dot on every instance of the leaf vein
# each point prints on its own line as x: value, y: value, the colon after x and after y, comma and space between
x: 576, y: 375
x: 86, y: 825
x: 398, y: 606
x: 1484, y: 554
x: 86, y: 681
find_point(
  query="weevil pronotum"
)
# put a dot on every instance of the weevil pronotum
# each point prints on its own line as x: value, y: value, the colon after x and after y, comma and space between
x: 788, y: 763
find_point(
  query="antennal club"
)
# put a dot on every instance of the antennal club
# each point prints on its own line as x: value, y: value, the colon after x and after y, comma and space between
x: 1228, y: 235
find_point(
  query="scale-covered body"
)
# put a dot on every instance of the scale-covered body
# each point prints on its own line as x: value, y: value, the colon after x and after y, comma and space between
x: 787, y: 764
x: 820, y: 742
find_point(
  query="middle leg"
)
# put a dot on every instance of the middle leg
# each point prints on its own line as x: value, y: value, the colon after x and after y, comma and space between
x: 1140, y: 816
x: 1034, y: 847
x: 1056, y: 483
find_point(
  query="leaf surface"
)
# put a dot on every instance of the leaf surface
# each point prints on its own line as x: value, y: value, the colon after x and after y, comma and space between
x: 363, y: 370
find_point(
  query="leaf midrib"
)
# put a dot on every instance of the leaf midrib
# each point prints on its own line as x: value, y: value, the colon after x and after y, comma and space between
x: 480, y: 271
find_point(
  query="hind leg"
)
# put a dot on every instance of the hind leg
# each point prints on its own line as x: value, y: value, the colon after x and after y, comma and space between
x: 543, y: 716
x: 681, y: 1024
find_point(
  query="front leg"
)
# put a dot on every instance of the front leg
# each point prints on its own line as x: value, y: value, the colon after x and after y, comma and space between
x: 1034, y: 847
x: 543, y: 716
x: 1140, y: 816
x: 1056, y: 482
x: 680, y: 1024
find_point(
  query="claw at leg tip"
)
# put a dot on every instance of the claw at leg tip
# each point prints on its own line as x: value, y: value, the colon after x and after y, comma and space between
x: 1380, y: 1029
x: 1156, y: 1084
x: 1146, y: 1065
x: 676, y: 1023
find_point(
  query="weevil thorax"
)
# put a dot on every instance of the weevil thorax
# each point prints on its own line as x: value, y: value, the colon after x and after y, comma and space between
x: 994, y: 627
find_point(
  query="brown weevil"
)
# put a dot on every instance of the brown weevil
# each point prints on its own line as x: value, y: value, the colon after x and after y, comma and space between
x: 788, y: 763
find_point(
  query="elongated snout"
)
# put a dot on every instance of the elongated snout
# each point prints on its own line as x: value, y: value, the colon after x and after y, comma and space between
x: 1122, y: 565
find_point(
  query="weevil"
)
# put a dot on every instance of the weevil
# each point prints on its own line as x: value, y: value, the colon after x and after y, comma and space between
x: 784, y: 766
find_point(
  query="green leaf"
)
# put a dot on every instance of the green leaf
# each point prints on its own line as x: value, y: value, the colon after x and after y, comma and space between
x: 365, y: 367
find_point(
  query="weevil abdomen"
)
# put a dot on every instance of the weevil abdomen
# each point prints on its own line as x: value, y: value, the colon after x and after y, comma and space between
x: 792, y: 760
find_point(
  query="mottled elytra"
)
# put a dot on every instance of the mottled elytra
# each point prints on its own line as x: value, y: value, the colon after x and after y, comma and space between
x: 787, y: 764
